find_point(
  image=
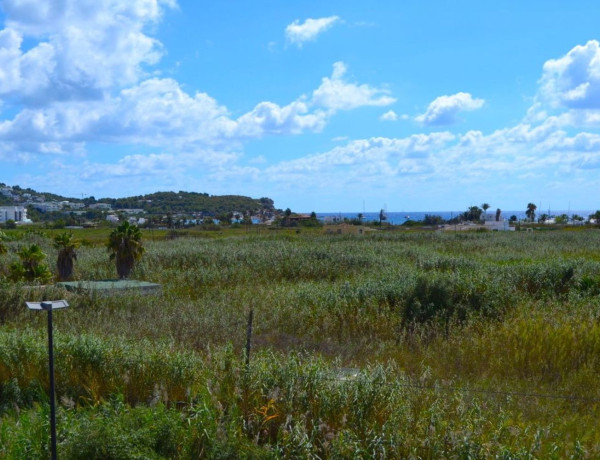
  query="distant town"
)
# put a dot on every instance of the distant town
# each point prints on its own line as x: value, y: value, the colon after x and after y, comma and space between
x: 171, y: 210
x: 20, y: 206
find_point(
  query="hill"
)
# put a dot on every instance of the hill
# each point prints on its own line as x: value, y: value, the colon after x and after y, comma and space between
x: 155, y: 203
x: 191, y: 202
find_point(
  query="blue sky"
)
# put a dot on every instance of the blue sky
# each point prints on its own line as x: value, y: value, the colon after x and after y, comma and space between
x: 324, y: 106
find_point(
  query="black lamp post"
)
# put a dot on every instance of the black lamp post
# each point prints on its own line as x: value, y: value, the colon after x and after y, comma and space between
x: 49, y: 306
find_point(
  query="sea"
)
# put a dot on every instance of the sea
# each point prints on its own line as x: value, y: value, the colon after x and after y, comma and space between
x: 398, y: 218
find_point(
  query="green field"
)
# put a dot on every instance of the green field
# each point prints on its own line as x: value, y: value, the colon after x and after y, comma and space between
x: 393, y: 344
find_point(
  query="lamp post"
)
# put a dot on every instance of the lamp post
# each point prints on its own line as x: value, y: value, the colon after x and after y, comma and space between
x: 49, y: 306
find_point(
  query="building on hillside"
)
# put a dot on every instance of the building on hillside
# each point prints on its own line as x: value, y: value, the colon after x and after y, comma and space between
x: 74, y: 205
x: 16, y: 213
x: 7, y: 192
x: 47, y: 206
x: 132, y: 211
x: 104, y: 206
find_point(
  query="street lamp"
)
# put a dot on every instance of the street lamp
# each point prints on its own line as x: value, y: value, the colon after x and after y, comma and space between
x: 49, y: 306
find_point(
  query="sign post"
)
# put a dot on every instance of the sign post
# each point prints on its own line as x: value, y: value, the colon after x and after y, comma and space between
x: 49, y: 306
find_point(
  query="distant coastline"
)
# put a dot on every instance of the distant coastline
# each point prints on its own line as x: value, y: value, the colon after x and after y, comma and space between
x: 399, y: 217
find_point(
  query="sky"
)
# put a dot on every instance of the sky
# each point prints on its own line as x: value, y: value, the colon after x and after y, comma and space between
x: 322, y: 106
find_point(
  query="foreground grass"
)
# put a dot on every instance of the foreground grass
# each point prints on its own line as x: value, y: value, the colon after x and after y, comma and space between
x: 461, y: 342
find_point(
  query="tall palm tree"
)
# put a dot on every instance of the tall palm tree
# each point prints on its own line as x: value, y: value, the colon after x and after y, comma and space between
x: 125, y: 246
x: 66, y: 245
x: 485, y: 207
x: 382, y: 216
x: 530, y: 213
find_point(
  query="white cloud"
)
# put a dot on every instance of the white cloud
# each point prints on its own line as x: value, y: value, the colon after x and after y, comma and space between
x: 270, y: 118
x: 390, y: 115
x: 388, y: 156
x: 337, y: 94
x: 82, y: 77
x: 298, y: 33
x: 573, y: 81
x: 444, y: 110
x: 158, y: 112
x: 83, y: 47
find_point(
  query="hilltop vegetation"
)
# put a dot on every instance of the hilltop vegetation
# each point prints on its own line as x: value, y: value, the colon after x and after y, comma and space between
x: 155, y: 203
x: 190, y: 202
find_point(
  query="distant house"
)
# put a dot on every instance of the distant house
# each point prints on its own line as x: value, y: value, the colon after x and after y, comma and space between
x: 501, y: 224
x: 100, y: 206
x: 133, y: 211
x: 299, y: 217
x: 48, y: 206
x: 16, y: 213
x: 7, y: 191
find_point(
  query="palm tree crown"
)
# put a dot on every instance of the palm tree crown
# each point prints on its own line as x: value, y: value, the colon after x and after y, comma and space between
x: 530, y: 213
x: 31, y: 267
x: 66, y: 245
x: 125, y: 245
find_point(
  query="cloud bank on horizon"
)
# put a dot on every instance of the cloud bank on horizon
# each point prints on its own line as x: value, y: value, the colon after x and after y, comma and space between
x: 96, y: 100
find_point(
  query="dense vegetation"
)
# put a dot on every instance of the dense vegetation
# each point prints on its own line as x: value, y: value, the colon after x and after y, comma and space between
x: 395, y: 344
x: 187, y: 202
x: 154, y: 203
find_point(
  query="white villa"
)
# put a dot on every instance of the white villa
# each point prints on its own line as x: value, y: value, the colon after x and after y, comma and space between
x: 16, y: 213
x: 491, y: 223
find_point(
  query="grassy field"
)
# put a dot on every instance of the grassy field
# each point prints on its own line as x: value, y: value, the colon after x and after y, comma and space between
x: 394, y: 344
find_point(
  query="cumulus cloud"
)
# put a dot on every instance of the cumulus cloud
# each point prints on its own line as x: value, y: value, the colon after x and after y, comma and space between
x: 387, y: 153
x: 335, y: 93
x: 77, y: 71
x: 573, y: 81
x: 445, y: 109
x: 83, y: 47
x: 158, y: 112
x: 390, y: 115
x: 299, y: 33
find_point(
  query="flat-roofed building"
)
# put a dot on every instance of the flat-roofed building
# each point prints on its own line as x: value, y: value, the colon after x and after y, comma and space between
x: 16, y: 213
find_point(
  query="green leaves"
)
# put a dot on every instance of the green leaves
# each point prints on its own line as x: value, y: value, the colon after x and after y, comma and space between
x: 125, y: 247
x: 66, y: 245
x: 31, y: 267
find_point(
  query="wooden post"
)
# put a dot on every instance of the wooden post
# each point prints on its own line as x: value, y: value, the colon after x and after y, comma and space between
x: 249, y: 336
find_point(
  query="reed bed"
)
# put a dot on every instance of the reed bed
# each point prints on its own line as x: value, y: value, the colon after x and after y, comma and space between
x: 392, y: 345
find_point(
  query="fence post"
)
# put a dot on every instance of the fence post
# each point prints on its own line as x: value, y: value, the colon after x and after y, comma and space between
x: 249, y: 336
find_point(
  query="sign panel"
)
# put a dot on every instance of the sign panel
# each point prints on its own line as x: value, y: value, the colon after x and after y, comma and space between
x: 47, y: 305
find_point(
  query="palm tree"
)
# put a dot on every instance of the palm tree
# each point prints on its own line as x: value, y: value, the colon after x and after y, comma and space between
x: 125, y: 245
x: 530, y: 213
x: 66, y: 246
x: 31, y: 267
x: 485, y: 207
x: 382, y: 216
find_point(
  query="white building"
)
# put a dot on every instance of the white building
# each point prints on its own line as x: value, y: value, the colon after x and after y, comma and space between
x: 501, y: 225
x: 7, y: 192
x: 16, y: 213
x: 48, y: 206
x: 72, y: 205
x: 105, y: 206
